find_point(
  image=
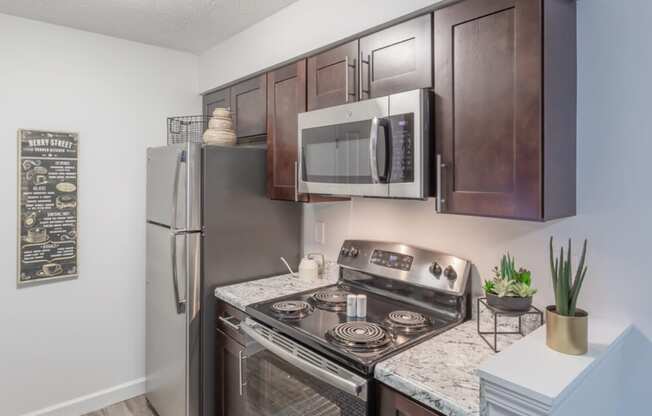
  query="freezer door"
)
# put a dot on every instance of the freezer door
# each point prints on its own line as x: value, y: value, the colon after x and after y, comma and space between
x: 174, y: 186
x: 166, y: 336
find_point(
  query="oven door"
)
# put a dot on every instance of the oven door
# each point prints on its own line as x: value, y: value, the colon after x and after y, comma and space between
x: 284, y: 378
x: 345, y: 150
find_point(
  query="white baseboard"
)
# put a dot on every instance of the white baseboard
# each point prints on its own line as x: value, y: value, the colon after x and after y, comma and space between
x: 94, y: 401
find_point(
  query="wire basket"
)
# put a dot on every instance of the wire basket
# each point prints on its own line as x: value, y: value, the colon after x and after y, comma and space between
x: 186, y: 129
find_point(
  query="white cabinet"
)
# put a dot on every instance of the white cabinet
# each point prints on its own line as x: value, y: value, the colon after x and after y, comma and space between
x: 530, y: 379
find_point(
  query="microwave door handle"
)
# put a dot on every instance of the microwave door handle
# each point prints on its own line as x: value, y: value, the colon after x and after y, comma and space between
x: 388, y: 151
x: 373, y: 147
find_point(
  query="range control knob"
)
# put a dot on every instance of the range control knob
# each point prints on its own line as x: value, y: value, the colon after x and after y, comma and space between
x: 435, y: 269
x: 345, y: 252
x: 354, y: 252
x: 450, y: 273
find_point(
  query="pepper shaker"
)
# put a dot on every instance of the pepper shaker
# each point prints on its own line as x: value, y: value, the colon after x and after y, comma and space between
x: 361, y: 306
x: 351, y: 306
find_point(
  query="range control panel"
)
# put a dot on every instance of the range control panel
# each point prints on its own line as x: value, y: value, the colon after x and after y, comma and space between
x: 392, y: 260
x: 409, y: 264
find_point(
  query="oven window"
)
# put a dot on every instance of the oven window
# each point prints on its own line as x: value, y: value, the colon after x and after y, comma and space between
x: 340, y: 153
x: 276, y: 388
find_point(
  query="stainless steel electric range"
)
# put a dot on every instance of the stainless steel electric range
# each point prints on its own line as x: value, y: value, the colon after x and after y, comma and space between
x: 306, y: 357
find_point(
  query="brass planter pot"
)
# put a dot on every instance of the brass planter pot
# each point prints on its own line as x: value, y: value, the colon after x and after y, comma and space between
x: 567, y: 334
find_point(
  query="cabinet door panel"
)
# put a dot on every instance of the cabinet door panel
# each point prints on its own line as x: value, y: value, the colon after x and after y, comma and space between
x: 286, y: 98
x: 488, y: 107
x: 249, y: 104
x: 398, y: 58
x: 393, y: 403
x: 217, y: 99
x: 231, y: 397
x: 333, y: 76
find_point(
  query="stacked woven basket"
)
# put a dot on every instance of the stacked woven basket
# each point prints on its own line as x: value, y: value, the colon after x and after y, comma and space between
x: 220, y: 128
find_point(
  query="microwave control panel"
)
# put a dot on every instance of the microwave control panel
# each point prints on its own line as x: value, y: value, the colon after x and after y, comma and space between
x: 392, y: 260
x: 402, y: 131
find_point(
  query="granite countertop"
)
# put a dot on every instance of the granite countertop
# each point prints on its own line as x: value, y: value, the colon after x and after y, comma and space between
x: 442, y: 372
x: 243, y: 294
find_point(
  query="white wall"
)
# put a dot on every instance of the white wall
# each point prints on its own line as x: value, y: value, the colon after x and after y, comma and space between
x: 614, y: 147
x: 68, y: 339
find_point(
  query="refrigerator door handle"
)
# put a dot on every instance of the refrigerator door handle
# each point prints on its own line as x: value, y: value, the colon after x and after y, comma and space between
x: 175, y: 190
x: 175, y: 277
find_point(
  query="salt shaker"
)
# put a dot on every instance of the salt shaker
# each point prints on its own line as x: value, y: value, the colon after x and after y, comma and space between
x: 351, y: 306
x: 361, y: 306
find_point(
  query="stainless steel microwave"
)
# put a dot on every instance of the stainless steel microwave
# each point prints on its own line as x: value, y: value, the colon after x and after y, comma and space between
x: 378, y: 148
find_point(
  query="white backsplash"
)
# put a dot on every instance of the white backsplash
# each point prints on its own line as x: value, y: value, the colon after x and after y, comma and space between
x: 484, y: 240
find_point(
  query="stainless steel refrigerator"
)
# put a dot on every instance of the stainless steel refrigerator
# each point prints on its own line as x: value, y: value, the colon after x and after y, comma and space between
x: 209, y: 224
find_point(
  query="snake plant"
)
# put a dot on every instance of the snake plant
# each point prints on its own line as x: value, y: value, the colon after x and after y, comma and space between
x: 567, y: 289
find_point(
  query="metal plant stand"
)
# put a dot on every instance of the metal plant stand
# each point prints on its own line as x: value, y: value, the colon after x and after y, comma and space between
x: 497, y: 313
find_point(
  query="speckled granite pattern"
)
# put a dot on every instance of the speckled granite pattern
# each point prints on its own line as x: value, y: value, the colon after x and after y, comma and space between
x: 440, y: 373
x: 244, y: 294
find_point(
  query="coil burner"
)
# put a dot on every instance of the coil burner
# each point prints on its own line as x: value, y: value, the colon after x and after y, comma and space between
x: 331, y: 300
x: 359, y: 336
x: 292, y: 309
x: 408, y: 321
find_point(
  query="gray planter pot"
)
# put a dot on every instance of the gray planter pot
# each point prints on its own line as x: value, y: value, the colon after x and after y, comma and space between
x: 509, y: 303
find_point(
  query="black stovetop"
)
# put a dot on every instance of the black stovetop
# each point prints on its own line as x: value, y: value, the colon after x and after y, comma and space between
x: 313, y: 329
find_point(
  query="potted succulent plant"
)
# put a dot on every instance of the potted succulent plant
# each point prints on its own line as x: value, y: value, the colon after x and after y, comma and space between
x: 510, y: 289
x: 567, y: 325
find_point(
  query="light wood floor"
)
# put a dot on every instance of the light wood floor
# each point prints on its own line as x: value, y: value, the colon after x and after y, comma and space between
x: 133, y: 407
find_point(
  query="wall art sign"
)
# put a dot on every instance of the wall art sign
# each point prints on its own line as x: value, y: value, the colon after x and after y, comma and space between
x: 47, y: 215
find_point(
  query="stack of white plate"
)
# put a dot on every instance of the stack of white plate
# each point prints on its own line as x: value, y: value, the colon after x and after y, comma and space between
x: 220, y: 128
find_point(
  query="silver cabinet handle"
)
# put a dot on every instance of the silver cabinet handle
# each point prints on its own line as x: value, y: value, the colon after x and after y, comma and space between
x: 241, y: 381
x: 227, y: 322
x: 347, y: 87
x: 370, y: 69
x: 369, y: 63
x: 360, y: 76
x: 296, y: 181
x: 441, y: 201
x: 175, y: 277
x: 355, y: 77
x: 346, y: 79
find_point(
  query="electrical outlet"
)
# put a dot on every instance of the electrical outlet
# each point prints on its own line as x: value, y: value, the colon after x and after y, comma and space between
x: 320, y: 232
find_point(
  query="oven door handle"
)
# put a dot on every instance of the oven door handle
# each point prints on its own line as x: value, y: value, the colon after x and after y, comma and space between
x: 293, y: 353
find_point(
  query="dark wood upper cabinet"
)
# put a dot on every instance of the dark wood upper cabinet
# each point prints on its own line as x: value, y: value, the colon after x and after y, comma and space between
x: 249, y: 105
x: 393, y: 403
x: 217, y: 99
x: 505, y: 82
x: 333, y: 76
x: 231, y: 393
x: 398, y: 58
x: 286, y: 98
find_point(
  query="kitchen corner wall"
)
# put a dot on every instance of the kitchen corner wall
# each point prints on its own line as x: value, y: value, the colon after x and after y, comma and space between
x: 614, y: 147
x: 614, y: 197
x: 85, y: 337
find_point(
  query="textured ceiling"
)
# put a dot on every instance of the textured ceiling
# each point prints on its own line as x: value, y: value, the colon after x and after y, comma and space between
x: 189, y: 25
